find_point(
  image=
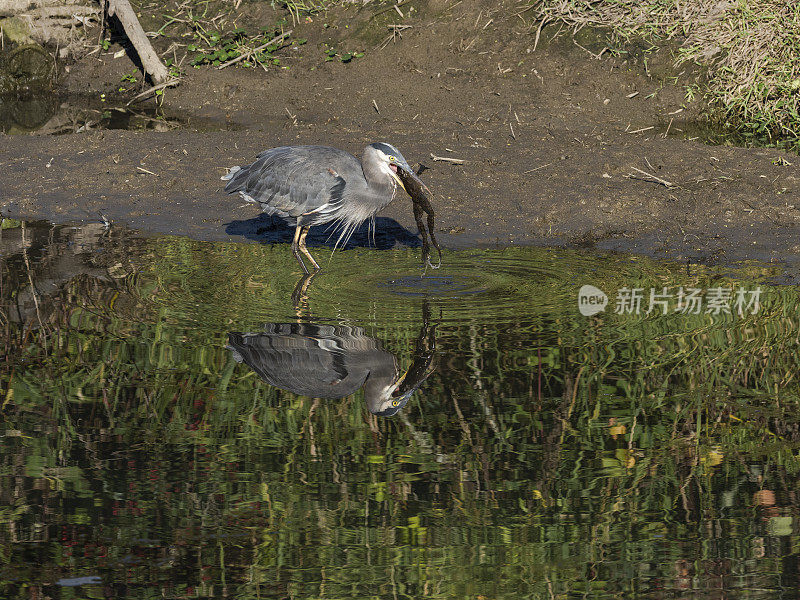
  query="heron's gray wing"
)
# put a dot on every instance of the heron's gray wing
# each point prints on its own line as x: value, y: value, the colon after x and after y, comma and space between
x: 294, y: 180
x: 310, y: 360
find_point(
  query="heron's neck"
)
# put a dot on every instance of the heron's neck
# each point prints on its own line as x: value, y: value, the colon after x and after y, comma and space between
x: 379, y: 182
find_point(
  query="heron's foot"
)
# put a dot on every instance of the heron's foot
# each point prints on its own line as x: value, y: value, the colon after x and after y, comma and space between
x: 434, y: 266
x: 426, y: 258
x: 427, y: 264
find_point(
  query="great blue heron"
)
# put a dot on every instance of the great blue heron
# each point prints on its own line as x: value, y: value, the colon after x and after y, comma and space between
x: 334, y: 361
x: 314, y: 185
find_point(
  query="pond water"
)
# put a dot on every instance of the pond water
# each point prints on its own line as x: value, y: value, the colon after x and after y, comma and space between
x: 531, y: 451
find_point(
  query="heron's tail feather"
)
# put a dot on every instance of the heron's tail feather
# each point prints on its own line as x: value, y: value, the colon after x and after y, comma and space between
x: 249, y: 199
x: 229, y: 175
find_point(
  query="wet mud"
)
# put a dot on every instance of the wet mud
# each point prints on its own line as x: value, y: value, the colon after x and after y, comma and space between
x: 558, y: 147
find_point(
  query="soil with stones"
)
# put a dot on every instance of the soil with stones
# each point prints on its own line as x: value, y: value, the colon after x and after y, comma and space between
x: 562, y: 142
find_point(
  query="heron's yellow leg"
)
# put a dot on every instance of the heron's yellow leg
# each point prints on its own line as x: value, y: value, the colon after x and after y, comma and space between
x: 296, y: 242
x: 303, y: 248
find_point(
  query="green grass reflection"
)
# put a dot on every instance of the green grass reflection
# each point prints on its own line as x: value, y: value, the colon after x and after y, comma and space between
x: 549, y: 454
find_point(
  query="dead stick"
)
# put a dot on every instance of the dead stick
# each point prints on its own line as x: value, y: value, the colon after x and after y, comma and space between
x: 274, y: 40
x: 380, y: 12
x: 539, y: 32
x: 456, y: 161
x: 149, y: 92
x: 663, y: 182
x: 133, y: 29
x: 666, y: 133
x: 537, y: 168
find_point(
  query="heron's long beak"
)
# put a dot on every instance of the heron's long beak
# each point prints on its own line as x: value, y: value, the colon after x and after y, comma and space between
x: 399, y: 179
x: 397, y: 384
x: 408, y: 383
x: 413, y: 378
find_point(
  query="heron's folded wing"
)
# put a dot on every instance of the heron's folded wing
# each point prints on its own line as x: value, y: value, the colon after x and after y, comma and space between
x: 293, y: 180
x: 303, y: 362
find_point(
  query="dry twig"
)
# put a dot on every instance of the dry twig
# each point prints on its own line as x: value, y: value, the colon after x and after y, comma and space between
x: 651, y: 177
x: 641, y: 130
x: 456, y: 161
x: 153, y: 90
x: 537, y: 168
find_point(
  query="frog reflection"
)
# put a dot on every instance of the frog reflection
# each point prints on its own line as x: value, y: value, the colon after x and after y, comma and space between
x: 334, y: 361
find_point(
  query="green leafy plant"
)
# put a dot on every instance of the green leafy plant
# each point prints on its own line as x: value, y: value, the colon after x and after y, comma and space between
x: 331, y: 54
x: 221, y: 47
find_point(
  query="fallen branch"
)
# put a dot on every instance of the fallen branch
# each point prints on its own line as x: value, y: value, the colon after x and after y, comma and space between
x: 250, y: 53
x: 133, y: 29
x: 153, y: 90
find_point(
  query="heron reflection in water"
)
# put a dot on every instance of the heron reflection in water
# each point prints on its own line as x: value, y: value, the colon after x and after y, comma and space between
x: 334, y: 361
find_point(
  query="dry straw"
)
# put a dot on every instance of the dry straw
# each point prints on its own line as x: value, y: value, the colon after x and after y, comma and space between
x: 751, y: 50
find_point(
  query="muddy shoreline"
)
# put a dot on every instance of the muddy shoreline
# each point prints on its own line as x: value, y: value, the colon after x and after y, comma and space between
x: 558, y: 147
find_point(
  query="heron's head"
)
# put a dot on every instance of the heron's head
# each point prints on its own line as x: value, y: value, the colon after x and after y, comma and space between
x: 386, y: 400
x: 390, y: 399
x: 389, y: 161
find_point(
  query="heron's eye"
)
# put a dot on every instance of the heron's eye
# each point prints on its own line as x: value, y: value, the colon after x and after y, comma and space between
x: 393, y: 158
x: 395, y: 402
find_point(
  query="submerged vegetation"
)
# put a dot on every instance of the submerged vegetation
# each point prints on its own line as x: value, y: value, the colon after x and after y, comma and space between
x: 751, y: 50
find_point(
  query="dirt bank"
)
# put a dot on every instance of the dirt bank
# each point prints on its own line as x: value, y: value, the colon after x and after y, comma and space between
x: 546, y: 136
